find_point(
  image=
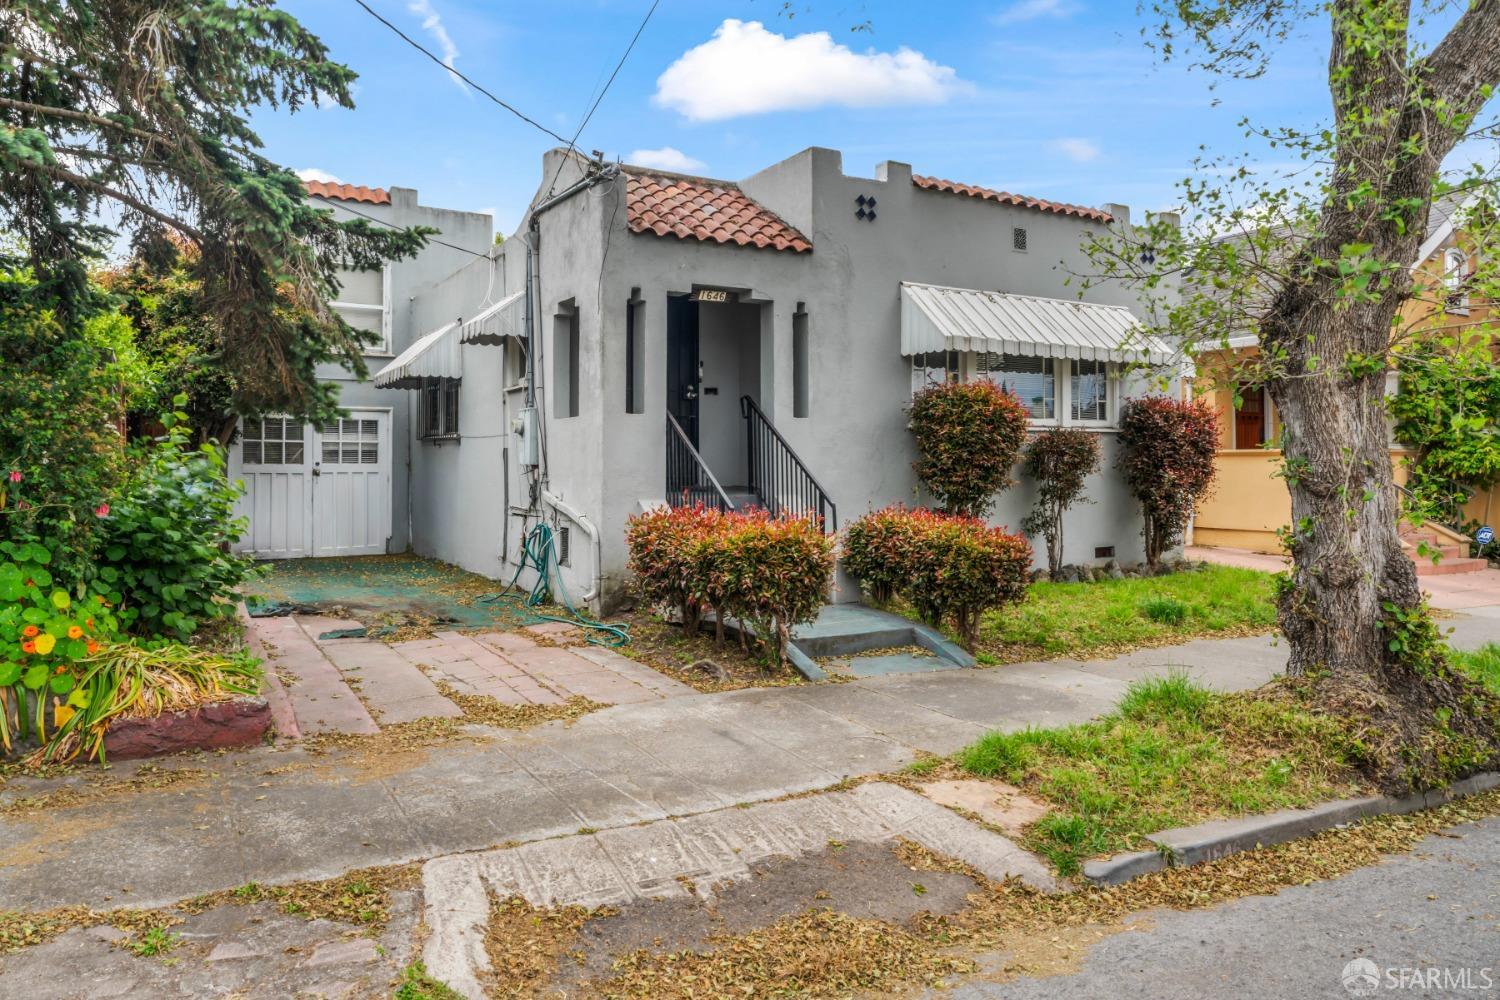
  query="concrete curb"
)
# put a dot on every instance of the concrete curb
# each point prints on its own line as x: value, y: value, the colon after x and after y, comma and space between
x: 283, y: 719
x: 1191, y: 845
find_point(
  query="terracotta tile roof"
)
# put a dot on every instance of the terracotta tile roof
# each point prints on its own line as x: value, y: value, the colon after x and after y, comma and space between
x: 697, y: 208
x: 348, y: 192
x: 1006, y: 198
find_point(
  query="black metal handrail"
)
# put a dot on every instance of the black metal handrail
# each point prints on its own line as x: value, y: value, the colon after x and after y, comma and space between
x: 778, y: 477
x: 688, y: 480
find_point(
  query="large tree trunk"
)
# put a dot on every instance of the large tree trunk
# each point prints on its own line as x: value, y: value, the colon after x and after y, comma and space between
x: 1353, y: 613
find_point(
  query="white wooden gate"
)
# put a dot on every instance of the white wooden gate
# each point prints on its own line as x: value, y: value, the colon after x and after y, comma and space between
x: 315, y: 491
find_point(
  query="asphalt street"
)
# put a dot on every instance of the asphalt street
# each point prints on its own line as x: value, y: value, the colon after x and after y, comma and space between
x: 1425, y: 924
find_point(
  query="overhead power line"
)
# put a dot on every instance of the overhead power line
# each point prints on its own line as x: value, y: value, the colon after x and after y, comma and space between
x: 449, y: 69
x: 392, y: 225
x: 573, y: 143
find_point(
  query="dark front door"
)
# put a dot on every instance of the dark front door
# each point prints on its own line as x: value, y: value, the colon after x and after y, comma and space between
x: 682, y: 363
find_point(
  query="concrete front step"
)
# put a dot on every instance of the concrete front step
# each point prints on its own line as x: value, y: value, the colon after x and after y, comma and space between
x: 1446, y: 567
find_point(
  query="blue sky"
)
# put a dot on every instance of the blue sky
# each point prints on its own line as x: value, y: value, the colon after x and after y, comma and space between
x: 1052, y: 98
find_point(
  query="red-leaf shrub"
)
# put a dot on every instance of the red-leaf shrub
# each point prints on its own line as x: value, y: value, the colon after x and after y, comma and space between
x: 1060, y: 460
x: 770, y: 573
x: 968, y: 434
x: 1167, y: 458
x: 661, y: 544
x: 877, y: 549
x: 950, y: 567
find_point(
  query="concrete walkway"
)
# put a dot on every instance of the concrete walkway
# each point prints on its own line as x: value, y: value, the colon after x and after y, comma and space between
x: 1456, y: 592
x: 279, y: 814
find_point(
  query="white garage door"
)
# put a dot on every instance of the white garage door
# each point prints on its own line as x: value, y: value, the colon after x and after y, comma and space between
x: 315, y: 491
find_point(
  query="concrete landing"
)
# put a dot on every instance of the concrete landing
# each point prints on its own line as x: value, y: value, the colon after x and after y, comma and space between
x: 846, y: 630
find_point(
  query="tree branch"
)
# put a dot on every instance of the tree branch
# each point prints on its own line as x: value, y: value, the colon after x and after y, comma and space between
x: 69, y: 113
x: 63, y: 174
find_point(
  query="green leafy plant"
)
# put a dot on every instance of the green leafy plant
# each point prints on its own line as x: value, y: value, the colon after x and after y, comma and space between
x: 1448, y: 412
x: 1060, y: 460
x: 61, y: 450
x: 968, y: 436
x: 166, y: 545
x: 877, y: 549
x: 1167, y: 457
x: 949, y: 567
x: 46, y: 638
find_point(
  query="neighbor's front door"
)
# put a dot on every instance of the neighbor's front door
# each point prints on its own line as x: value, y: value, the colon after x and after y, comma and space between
x: 320, y: 491
x: 683, y: 375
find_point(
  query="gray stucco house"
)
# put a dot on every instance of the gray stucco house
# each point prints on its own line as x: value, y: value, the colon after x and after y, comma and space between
x: 735, y: 342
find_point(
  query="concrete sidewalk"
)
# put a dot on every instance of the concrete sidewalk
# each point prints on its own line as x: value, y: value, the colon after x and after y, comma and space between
x: 280, y: 815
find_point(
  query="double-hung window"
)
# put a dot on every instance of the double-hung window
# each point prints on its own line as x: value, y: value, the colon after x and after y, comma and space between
x: 438, y: 414
x: 1060, y: 391
x: 1088, y: 392
x: 1032, y: 379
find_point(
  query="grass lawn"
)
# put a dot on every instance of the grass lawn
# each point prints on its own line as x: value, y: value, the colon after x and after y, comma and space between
x: 1112, y: 616
x: 1482, y: 664
x: 1173, y: 754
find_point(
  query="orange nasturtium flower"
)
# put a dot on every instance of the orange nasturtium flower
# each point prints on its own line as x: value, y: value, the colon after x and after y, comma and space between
x: 74, y: 632
x: 44, y: 643
x: 29, y: 631
x: 93, y: 647
x: 28, y: 646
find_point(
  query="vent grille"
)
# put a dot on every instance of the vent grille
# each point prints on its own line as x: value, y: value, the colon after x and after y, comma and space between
x: 564, y: 546
x: 1018, y: 239
x: 1104, y: 552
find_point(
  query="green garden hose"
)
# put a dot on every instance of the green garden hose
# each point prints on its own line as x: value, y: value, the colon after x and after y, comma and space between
x: 539, y: 551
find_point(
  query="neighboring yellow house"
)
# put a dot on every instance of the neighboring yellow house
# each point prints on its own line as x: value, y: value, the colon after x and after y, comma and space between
x: 1250, y: 502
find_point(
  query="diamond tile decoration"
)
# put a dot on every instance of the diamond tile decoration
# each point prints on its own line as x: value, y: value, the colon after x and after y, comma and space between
x: 1006, y: 198
x: 695, y: 208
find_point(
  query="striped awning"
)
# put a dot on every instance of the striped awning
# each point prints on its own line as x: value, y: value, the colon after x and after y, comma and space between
x: 494, y: 323
x: 436, y: 355
x: 937, y: 318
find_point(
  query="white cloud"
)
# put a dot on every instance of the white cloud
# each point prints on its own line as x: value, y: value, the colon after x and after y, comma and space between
x: 1077, y: 150
x: 746, y: 70
x: 314, y: 174
x: 665, y: 158
x: 433, y: 25
x: 1031, y: 10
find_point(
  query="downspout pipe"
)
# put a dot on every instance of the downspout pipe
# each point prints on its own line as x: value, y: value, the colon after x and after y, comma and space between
x: 581, y: 519
x: 533, y: 267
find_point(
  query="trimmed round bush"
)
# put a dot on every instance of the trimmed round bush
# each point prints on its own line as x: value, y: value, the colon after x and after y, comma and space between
x: 766, y: 572
x: 950, y: 567
x: 1167, y: 459
x: 968, y: 435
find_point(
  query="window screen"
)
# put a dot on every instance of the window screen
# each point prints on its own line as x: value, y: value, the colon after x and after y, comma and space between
x: 1090, y: 390
x: 351, y: 441
x: 1032, y: 379
x: 272, y: 441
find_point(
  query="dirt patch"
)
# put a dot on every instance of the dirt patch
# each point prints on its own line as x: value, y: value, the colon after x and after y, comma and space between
x: 22, y: 930
x: 526, y: 945
x: 362, y: 897
x: 637, y: 950
x: 492, y: 712
x: 696, y: 661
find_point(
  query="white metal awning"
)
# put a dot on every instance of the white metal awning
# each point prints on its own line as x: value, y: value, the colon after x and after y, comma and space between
x: 937, y: 318
x: 436, y: 355
x: 494, y: 323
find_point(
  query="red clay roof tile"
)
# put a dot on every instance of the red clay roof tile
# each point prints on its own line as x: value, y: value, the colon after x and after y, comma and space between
x: 1006, y: 198
x: 701, y: 209
x: 347, y: 192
